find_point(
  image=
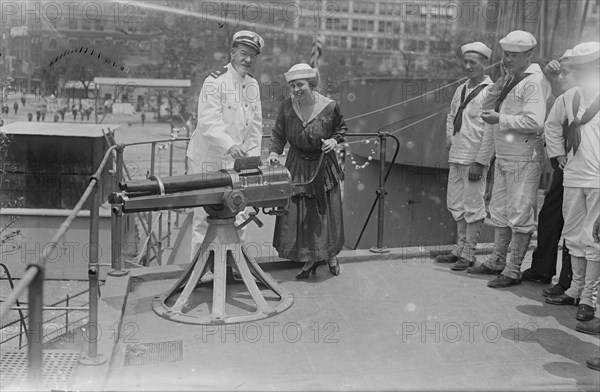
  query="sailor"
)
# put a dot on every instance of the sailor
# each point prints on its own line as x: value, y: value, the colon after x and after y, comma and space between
x: 229, y: 120
x: 515, y: 132
x: 467, y: 178
x: 576, y: 147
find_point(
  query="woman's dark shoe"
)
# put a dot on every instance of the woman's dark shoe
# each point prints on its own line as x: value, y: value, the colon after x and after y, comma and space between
x: 305, y: 273
x: 334, y: 268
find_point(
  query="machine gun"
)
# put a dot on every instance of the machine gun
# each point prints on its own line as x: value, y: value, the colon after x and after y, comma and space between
x: 223, y: 195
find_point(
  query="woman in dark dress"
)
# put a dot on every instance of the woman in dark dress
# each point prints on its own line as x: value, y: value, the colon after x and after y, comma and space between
x: 313, y: 229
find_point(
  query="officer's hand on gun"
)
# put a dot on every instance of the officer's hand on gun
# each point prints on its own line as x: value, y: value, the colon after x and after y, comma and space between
x: 237, y: 151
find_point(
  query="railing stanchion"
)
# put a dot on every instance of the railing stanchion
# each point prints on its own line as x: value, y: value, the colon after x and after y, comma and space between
x: 116, y: 224
x: 35, y: 331
x: 381, y: 195
x: 92, y: 357
x: 150, y: 228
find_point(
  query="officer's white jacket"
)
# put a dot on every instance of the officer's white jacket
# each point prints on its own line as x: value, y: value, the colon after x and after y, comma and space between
x: 229, y: 113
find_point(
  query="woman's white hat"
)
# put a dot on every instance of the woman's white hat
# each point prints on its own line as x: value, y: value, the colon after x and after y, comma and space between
x: 300, y: 71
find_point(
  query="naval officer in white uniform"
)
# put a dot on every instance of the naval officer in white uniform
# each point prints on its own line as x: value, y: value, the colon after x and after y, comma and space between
x: 229, y: 120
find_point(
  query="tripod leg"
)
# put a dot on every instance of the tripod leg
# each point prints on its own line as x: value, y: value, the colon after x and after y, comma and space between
x: 199, y: 269
x: 263, y: 276
x: 248, y: 278
x: 219, y: 286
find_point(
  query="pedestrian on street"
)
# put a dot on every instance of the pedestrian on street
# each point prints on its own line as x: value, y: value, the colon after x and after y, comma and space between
x: 143, y: 116
x: 312, y: 230
x: 578, y: 153
x: 550, y: 220
x: 16, y: 107
x: 43, y: 114
x: 38, y: 114
x: 467, y: 177
x: 62, y: 114
x: 229, y: 121
x: 74, y: 109
x: 29, y: 116
x: 23, y: 100
x: 515, y: 132
x: 55, y: 117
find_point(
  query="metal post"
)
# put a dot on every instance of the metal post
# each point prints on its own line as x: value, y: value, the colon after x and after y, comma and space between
x: 381, y: 195
x: 149, y: 244
x: 169, y: 211
x: 35, y: 331
x: 92, y: 357
x: 116, y: 223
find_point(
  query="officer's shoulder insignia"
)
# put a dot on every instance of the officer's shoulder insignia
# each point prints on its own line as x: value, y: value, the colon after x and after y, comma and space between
x: 219, y: 72
x: 249, y: 74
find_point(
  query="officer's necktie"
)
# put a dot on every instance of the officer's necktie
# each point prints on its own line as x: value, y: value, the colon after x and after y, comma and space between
x: 573, y: 139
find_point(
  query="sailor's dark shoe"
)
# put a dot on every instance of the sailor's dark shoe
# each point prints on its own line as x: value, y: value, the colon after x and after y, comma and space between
x: 461, y: 265
x: 553, y: 291
x: 585, y: 312
x: 591, y: 327
x: 482, y: 269
x: 562, y: 299
x: 529, y: 275
x: 446, y: 259
x: 503, y: 281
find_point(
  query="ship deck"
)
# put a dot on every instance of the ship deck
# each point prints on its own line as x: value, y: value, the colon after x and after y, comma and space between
x: 392, y: 323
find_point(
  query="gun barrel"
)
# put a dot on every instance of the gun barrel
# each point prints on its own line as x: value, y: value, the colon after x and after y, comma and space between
x: 174, y: 184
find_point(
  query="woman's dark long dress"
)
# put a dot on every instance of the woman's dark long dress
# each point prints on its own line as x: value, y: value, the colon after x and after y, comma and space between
x: 304, y: 234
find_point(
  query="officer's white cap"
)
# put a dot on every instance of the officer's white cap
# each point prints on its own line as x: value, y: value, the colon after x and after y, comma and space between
x: 478, y: 47
x: 518, y: 41
x: 249, y: 38
x: 300, y: 71
x: 585, y: 53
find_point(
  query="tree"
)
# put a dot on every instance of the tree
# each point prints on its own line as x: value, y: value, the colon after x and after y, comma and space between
x: 6, y: 231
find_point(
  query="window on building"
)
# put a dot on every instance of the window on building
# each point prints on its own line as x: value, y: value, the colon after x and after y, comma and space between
x: 421, y: 46
x: 369, y: 43
x: 370, y: 25
x: 343, y: 41
x: 354, y: 42
x: 355, y: 24
x: 332, y: 23
x: 410, y: 45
